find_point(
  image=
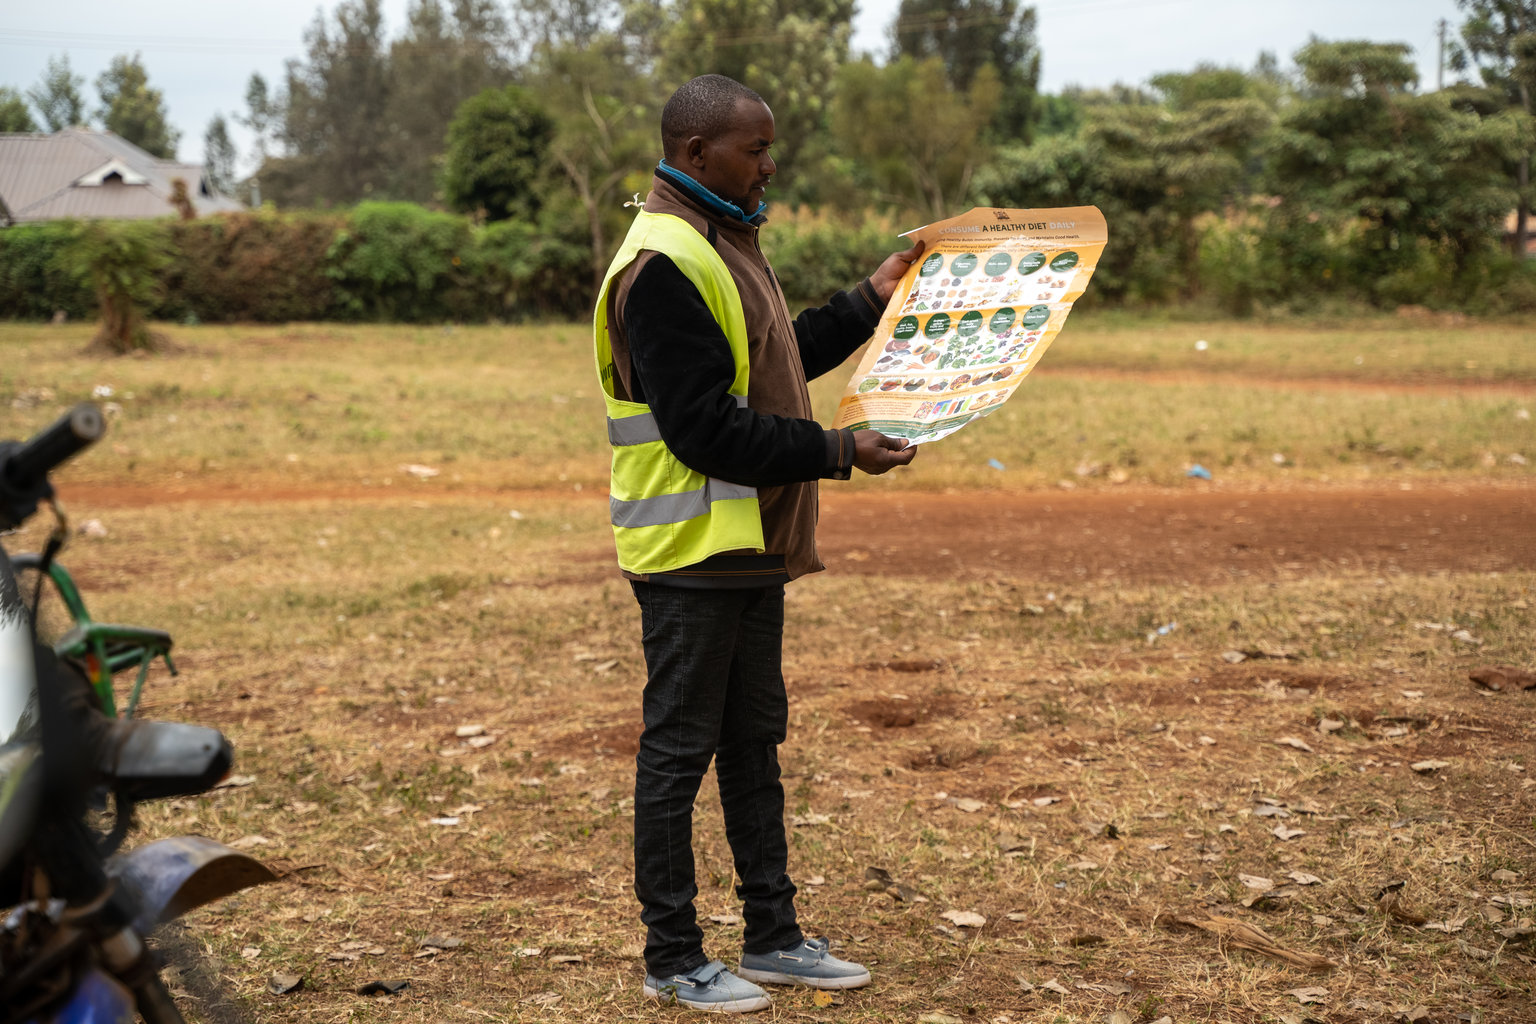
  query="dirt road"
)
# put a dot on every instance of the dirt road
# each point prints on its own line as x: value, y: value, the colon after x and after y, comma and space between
x: 1128, y: 534
x: 1181, y: 536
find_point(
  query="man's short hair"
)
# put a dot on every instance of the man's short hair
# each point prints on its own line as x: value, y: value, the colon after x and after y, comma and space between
x: 703, y: 106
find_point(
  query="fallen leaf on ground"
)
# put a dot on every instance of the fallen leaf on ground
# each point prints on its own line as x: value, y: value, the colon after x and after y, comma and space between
x: 250, y: 952
x: 1306, y: 996
x: 282, y: 984
x: 938, y: 1018
x: 440, y: 942
x: 1056, y: 986
x: 1302, y: 878
x: 246, y: 842
x: 1283, y: 833
x: 1425, y: 767
x: 1502, y: 677
x: 725, y: 918
x: 969, y: 804
x: 964, y: 918
x: 1258, y: 882
x: 464, y: 732
x: 1292, y: 741
x: 1249, y: 936
x: 823, y: 999
x: 385, y: 988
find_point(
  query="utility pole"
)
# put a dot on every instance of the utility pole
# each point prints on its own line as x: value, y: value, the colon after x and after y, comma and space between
x: 1440, y: 59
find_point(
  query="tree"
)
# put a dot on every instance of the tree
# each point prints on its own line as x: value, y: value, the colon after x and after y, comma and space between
x: 444, y: 58
x: 219, y: 157
x: 123, y: 262
x: 57, y: 96
x: 917, y: 139
x: 1405, y: 168
x: 1499, y: 37
x: 14, y: 115
x: 1154, y: 172
x: 133, y: 110
x: 263, y: 114
x: 973, y: 34
x: 604, y: 141
x: 788, y: 52
x: 336, y: 111
x: 498, y: 146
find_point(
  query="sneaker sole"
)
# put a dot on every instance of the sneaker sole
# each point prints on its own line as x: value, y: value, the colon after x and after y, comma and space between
x: 776, y: 978
x: 728, y: 1006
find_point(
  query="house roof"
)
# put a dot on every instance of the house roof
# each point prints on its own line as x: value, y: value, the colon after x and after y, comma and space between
x: 87, y: 174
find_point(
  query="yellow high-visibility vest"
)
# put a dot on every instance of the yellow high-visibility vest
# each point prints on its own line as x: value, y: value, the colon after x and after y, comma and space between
x: 666, y: 516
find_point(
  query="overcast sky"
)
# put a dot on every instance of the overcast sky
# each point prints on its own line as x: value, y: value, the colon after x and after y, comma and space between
x: 200, y: 53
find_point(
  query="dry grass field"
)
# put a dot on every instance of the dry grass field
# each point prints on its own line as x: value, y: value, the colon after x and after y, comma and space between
x: 1078, y: 740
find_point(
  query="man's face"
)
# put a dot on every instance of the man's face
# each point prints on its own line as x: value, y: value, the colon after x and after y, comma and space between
x: 735, y: 165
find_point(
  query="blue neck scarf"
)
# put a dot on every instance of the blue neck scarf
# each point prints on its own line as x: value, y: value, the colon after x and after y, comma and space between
x: 708, y: 199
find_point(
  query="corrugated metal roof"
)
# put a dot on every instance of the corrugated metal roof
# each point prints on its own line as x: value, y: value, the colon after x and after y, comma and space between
x: 38, y: 175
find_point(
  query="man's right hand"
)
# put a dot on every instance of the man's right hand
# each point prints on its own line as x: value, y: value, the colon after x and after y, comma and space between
x: 875, y: 453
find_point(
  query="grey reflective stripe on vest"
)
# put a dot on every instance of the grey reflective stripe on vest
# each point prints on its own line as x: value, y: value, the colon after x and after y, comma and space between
x: 674, y: 508
x: 641, y: 429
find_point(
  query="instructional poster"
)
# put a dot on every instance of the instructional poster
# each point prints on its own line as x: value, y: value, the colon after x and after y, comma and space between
x: 972, y: 318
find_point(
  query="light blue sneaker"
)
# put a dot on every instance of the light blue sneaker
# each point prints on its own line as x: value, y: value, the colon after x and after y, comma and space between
x: 710, y: 987
x: 806, y: 964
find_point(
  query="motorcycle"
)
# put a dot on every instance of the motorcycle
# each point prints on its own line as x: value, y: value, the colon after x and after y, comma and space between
x: 73, y: 940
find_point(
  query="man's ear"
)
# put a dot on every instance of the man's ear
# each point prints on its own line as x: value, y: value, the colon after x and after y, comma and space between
x: 693, y: 152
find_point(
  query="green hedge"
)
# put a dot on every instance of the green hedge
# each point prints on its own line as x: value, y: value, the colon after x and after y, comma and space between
x: 34, y: 284
x: 400, y: 262
x: 377, y: 262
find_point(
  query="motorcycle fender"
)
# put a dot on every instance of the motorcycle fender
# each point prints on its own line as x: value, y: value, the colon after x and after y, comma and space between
x: 98, y: 999
x: 172, y: 876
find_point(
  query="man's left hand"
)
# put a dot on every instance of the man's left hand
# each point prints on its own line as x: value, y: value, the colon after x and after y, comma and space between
x: 892, y: 270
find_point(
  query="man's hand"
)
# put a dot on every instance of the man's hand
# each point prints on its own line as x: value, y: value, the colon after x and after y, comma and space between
x: 875, y: 453
x: 891, y: 271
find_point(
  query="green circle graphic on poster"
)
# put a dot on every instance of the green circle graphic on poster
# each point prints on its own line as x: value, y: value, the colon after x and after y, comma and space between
x: 1036, y: 316
x: 1063, y: 261
x: 1031, y: 262
x: 906, y: 328
x: 963, y: 264
x: 932, y: 265
x: 969, y: 324
x: 1002, y: 320
x: 997, y: 264
x: 936, y: 326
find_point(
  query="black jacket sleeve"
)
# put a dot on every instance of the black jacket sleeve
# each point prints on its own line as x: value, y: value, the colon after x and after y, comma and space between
x: 681, y: 367
x: 832, y: 333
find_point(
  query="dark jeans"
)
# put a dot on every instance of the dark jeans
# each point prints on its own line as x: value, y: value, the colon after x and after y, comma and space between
x: 715, y: 689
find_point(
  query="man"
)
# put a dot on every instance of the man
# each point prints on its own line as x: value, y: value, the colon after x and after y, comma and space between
x: 713, y: 502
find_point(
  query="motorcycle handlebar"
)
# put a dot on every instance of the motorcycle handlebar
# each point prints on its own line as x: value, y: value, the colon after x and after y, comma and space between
x: 29, y: 463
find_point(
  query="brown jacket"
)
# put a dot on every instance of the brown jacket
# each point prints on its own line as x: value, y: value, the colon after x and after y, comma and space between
x: 777, y: 380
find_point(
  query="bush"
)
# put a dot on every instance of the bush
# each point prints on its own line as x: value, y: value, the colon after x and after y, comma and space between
x: 34, y: 284
x: 398, y: 261
x: 529, y: 270
x: 123, y: 262
x: 253, y: 267
x: 815, y: 254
